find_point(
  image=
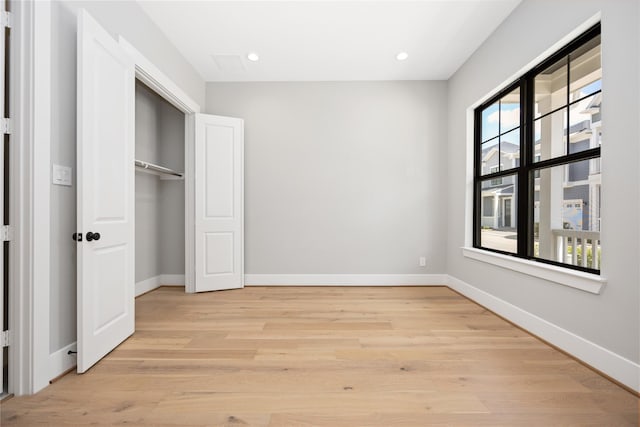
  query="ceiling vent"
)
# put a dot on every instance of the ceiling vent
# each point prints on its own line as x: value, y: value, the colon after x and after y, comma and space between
x: 229, y: 63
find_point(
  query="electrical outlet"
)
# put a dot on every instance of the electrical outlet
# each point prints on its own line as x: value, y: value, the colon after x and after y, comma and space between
x: 422, y: 261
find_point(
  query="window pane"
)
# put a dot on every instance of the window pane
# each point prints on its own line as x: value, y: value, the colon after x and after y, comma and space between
x: 490, y: 122
x: 550, y: 88
x: 550, y: 136
x: 510, y: 111
x: 490, y: 157
x: 498, y: 214
x: 585, y: 124
x: 567, y: 214
x: 510, y: 150
x: 487, y: 206
x: 585, y: 70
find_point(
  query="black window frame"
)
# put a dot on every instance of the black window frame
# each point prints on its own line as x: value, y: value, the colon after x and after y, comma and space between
x: 525, y: 173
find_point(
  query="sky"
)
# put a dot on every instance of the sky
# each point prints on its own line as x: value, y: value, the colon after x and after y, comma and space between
x: 504, y: 116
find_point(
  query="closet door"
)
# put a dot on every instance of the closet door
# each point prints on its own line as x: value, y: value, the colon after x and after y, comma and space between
x: 219, y: 203
x: 105, y: 152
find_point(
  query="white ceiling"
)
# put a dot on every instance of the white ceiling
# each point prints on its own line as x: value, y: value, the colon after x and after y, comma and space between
x: 327, y: 40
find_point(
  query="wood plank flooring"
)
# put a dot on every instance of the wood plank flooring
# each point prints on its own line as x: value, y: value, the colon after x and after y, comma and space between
x: 327, y: 356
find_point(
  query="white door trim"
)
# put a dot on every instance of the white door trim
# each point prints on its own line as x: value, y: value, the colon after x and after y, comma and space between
x: 160, y: 83
x: 29, y: 199
x: 189, y: 203
x: 151, y: 75
x: 40, y: 239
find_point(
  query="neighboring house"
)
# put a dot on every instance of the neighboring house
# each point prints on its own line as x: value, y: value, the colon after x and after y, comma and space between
x: 498, y: 201
x: 581, y: 182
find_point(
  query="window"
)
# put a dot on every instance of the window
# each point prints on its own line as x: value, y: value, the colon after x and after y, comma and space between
x: 497, y: 181
x: 537, y: 178
x: 487, y: 206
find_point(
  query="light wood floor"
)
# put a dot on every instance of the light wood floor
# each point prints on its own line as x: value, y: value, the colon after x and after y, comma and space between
x: 327, y: 356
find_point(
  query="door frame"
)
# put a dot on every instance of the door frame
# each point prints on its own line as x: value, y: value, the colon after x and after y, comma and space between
x: 32, y: 364
x: 29, y: 198
x: 161, y: 84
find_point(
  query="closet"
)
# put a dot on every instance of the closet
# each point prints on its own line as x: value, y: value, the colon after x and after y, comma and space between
x: 159, y: 192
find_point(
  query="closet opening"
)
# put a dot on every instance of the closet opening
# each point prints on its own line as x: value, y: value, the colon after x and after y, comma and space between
x: 159, y: 192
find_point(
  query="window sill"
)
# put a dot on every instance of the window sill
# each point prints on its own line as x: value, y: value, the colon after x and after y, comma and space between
x: 575, y: 279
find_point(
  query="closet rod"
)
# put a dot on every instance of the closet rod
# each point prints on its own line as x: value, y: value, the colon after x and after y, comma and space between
x: 156, y: 168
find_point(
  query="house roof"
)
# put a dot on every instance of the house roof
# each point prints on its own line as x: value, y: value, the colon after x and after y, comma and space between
x: 500, y: 189
x: 505, y: 148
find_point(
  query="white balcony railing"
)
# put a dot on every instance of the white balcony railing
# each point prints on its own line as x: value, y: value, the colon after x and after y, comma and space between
x: 577, y: 247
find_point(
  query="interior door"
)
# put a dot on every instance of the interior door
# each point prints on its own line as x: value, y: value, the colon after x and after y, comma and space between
x: 105, y: 153
x: 219, y: 203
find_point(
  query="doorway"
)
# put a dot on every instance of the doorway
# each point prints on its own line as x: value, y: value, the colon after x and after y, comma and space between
x: 159, y: 192
x: 507, y: 213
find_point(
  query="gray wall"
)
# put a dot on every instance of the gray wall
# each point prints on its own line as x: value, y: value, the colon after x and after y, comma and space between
x: 341, y: 177
x: 147, y: 185
x: 127, y: 19
x: 159, y: 203
x: 612, y: 318
x: 172, y: 193
x: 366, y: 177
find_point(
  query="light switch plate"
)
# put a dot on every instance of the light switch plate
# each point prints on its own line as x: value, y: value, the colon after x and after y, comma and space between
x: 61, y: 175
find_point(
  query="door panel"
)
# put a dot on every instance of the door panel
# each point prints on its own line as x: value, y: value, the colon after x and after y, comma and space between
x: 219, y: 151
x: 219, y: 253
x: 219, y: 157
x: 106, y: 97
x: 112, y: 306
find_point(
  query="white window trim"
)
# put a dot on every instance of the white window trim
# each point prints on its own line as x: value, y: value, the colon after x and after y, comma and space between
x: 587, y: 282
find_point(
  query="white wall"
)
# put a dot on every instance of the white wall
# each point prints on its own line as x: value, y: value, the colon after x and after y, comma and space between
x: 341, y: 177
x: 612, y: 319
x: 118, y: 18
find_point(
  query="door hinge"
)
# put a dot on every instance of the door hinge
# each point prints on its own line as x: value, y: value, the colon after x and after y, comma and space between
x: 5, y: 126
x: 5, y: 339
x: 6, y: 19
x: 5, y: 233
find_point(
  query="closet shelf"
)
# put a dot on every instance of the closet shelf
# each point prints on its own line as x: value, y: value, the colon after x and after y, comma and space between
x: 164, y: 173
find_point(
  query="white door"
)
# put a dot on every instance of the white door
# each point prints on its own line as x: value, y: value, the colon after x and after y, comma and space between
x: 105, y: 150
x: 219, y: 203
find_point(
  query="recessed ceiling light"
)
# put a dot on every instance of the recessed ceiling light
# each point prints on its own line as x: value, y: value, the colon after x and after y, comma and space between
x: 402, y: 56
x: 253, y: 57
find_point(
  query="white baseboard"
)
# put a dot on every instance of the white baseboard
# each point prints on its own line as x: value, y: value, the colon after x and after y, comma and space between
x: 345, y: 279
x: 157, y: 281
x: 617, y: 367
x: 172, y: 280
x: 147, y: 285
x: 60, y: 361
